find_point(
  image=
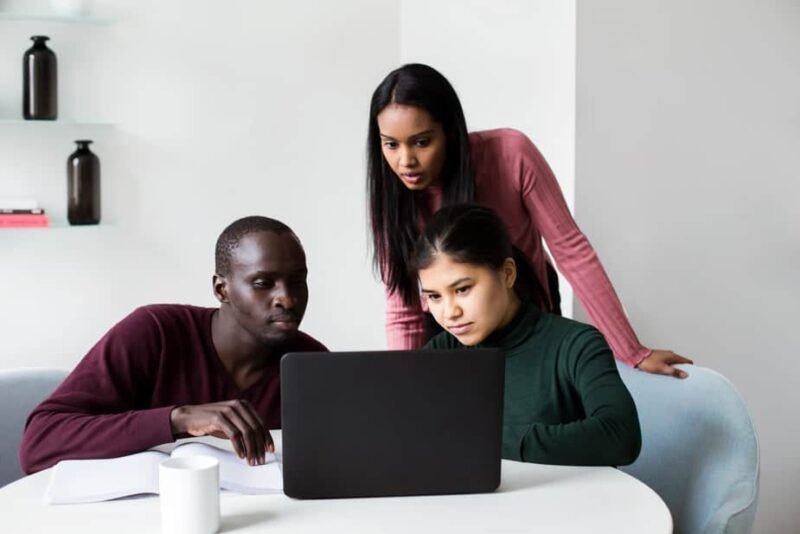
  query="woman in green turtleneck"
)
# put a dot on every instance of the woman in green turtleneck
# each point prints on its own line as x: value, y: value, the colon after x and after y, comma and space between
x: 564, y: 400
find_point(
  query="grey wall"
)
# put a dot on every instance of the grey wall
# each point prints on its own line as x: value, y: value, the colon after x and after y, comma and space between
x: 687, y: 182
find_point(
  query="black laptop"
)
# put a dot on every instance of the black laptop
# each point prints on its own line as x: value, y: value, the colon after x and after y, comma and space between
x: 370, y: 424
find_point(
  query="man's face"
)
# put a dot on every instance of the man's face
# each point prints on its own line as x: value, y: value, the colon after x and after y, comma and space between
x: 266, y: 287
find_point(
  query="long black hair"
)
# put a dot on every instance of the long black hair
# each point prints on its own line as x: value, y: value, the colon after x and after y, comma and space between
x: 476, y: 235
x: 393, y: 209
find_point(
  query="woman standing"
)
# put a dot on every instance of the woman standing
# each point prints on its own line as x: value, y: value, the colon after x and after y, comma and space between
x: 421, y: 157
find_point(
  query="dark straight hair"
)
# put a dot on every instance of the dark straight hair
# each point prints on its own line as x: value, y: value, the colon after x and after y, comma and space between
x: 393, y: 209
x: 476, y: 235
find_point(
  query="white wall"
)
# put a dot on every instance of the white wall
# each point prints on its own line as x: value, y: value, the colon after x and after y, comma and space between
x: 512, y: 64
x: 222, y: 110
x: 688, y: 177
x: 225, y: 110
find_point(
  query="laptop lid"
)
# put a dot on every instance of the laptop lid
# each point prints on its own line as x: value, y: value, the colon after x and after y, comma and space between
x: 390, y: 423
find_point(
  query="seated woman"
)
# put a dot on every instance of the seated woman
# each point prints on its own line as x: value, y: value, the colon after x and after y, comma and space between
x: 564, y: 400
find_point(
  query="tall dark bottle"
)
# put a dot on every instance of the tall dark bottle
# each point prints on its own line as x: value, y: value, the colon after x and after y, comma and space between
x: 39, y: 81
x: 83, y: 186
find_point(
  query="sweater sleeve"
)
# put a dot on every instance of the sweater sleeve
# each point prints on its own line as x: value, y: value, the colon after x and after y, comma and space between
x: 609, y: 434
x: 573, y: 253
x: 405, y: 325
x: 101, y: 410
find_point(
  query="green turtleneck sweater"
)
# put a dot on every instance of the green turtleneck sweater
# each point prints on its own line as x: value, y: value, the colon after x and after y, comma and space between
x: 564, y: 400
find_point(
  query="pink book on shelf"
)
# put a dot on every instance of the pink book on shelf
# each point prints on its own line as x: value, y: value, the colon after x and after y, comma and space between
x: 24, y: 220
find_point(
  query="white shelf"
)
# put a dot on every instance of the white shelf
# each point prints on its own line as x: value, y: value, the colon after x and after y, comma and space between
x: 58, y: 122
x: 91, y: 124
x: 12, y: 16
x: 57, y: 241
x: 59, y: 226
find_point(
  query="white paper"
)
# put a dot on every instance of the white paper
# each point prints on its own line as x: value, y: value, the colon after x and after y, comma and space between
x: 83, y: 481
x: 80, y: 481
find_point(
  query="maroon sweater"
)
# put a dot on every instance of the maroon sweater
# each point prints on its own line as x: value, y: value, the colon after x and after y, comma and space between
x: 118, y: 399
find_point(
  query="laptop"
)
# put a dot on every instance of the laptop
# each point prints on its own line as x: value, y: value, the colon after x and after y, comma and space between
x: 391, y: 423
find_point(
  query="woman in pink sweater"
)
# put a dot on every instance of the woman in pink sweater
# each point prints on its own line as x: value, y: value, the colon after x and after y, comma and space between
x: 420, y: 157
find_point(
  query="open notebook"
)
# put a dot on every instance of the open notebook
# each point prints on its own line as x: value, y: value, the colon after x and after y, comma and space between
x: 82, y: 481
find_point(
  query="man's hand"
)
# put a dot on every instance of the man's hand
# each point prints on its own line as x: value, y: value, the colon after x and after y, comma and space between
x: 235, y: 420
x: 660, y: 362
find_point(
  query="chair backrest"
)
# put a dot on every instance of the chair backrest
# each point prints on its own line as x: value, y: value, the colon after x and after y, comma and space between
x: 20, y: 391
x: 699, y: 449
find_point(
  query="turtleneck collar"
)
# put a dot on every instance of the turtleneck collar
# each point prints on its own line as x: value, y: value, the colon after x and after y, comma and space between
x: 516, y: 331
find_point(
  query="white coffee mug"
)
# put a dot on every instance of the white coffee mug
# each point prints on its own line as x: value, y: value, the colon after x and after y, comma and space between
x: 189, y: 489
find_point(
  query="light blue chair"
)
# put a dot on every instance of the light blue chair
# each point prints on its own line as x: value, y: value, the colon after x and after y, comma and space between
x: 699, y: 449
x: 20, y: 391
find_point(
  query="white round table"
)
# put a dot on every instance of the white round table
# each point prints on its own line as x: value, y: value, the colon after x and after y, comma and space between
x: 532, y: 498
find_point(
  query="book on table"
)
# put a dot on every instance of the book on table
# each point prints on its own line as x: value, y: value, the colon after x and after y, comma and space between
x: 18, y: 218
x: 84, y: 481
x: 15, y: 211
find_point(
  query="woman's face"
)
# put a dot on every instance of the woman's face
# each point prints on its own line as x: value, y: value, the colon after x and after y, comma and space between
x: 469, y: 301
x: 413, y: 144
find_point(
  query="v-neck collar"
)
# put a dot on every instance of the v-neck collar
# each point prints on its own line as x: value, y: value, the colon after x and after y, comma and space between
x: 268, y: 372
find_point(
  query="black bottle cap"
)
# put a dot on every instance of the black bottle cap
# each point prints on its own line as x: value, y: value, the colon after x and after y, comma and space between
x: 40, y: 38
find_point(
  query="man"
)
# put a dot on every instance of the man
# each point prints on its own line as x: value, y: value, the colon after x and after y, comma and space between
x: 170, y: 371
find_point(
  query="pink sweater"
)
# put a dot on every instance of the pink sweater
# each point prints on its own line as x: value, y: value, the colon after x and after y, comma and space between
x: 513, y: 178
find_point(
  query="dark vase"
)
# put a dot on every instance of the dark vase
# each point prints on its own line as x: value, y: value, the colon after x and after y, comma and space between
x: 83, y: 186
x: 40, y: 81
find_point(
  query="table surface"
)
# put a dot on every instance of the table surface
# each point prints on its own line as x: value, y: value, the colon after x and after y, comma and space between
x: 531, y: 498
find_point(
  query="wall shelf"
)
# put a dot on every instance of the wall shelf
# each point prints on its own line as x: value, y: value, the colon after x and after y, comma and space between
x: 60, y: 122
x: 56, y: 230
x: 12, y: 16
x: 58, y: 226
x: 93, y: 123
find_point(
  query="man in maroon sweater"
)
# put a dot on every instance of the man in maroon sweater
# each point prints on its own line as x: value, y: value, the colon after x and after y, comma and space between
x: 169, y: 371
